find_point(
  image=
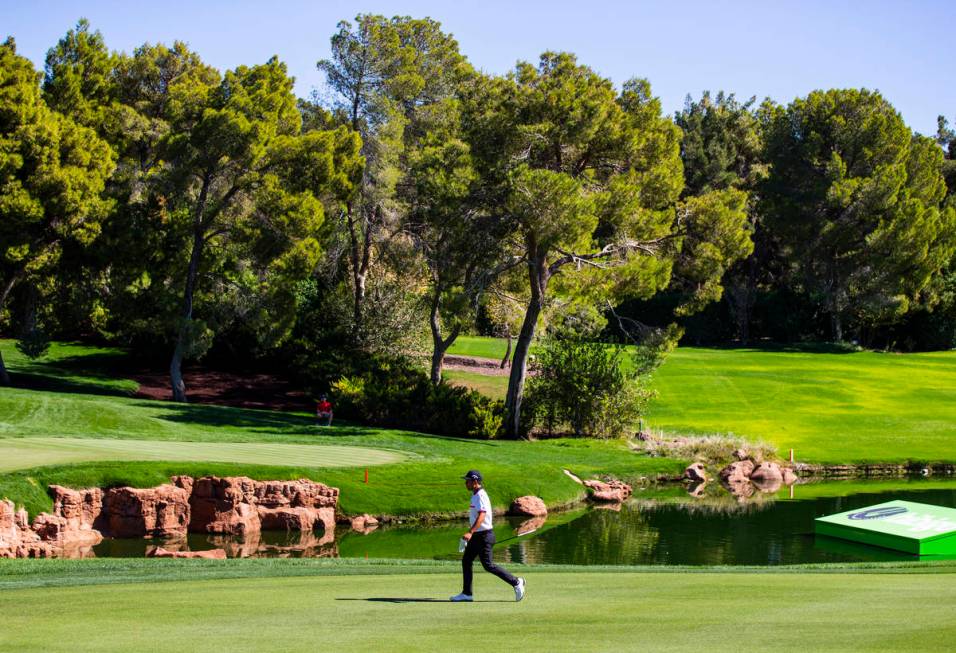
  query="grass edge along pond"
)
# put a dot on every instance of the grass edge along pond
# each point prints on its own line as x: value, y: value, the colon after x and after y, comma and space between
x: 831, y: 408
x: 357, y: 605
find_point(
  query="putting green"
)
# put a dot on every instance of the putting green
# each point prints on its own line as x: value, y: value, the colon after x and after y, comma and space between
x: 24, y: 453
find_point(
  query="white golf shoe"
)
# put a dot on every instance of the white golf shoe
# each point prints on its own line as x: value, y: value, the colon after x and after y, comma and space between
x: 458, y: 598
x: 519, y: 590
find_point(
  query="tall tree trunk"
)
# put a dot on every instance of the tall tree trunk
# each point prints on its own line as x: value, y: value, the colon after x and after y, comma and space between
x: 199, y: 240
x: 739, y: 298
x: 358, y: 283
x: 538, y: 273
x: 836, y: 300
x: 439, y: 345
x: 4, y: 376
x: 360, y: 242
x: 837, y: 324
x: 507, y: 358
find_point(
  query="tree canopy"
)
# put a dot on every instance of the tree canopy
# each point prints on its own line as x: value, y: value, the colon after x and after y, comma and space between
x: 855, y: 198
x: 52, y: 175
x: 590, y: 179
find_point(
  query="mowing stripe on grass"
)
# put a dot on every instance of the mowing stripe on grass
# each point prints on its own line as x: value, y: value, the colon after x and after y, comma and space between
x: 24, y: 453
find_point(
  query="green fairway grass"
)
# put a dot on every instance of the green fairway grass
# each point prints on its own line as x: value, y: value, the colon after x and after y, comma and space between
x: 23, y: 453
x: 355, y: 607
x: 829, y: 407
x: 153, y: 435
x: 479, y: 346
x: 836, y: 408
x: 493, y: 386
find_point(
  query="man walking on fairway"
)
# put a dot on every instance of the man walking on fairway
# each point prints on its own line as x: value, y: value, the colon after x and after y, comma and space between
x: 480, y: 539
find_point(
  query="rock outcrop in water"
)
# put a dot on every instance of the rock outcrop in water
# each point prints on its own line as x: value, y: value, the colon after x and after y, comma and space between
x: 528, y: 506
x: 613, y: 491
x: 695, y: 473
x: 743, y: 477
x: 234, y: 505
x: 364, y: 524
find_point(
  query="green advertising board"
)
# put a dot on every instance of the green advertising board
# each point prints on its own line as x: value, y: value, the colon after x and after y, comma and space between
x: 915, y: 528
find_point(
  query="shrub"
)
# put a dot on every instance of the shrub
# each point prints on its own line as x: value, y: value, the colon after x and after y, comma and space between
x: 397, y: 394
x: 588, y: 388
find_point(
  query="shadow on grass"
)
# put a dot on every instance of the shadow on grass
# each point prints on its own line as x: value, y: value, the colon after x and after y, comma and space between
x: 99, y: 373
x: 48, y: 381
x: 273, y: 421
x: 792, y: 348
x: 227, y: 417
x: 397, y: 599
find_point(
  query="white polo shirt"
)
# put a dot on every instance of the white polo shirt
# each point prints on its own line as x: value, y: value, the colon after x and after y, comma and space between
x: 480, y: 502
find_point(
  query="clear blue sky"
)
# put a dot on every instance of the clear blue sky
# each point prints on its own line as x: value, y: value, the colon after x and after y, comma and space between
x: 776, y: 48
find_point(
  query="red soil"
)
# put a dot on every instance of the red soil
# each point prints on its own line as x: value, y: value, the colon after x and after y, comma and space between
x: 266, y: 391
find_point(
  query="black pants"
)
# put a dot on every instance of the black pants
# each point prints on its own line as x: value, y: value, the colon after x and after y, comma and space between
x: 479, y: 546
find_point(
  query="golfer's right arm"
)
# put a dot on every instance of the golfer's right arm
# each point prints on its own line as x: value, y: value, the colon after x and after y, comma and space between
x: 474, y: 527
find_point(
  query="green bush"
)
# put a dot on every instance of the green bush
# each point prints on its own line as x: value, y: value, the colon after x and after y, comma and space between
x: 397, y: 394
x: 587, y: 388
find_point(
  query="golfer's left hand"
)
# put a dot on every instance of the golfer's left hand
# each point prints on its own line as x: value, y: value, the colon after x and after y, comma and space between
x: 466, y: 536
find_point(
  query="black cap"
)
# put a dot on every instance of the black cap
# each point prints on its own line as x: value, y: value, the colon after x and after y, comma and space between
x: 473, y: 474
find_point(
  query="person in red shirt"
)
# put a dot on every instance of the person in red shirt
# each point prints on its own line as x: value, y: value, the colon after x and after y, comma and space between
x: 323, y: 410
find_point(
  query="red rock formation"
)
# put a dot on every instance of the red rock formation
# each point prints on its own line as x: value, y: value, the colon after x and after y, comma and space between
x: 695, y: 473
x: 71, y: 524
x: 161, y: 511
x: 737, y: 472
x: 296, y: 505
x: 17, y: 540
x: 363, y: 524
x: 767, y: 477
x: 528, y: 506
x: 288, y: 519
x: 767, y: 472
x: 231, y: 505
x: 160, y: 552
x: 52, y: 534
x: 611, y: 492
x: 224, y: 505
x: 238, y: 505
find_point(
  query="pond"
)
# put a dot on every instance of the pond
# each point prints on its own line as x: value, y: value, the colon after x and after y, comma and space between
x: 656, y: 527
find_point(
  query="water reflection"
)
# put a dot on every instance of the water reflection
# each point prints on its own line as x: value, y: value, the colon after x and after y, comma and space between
x: 267, y: 544
x: 657, y: 526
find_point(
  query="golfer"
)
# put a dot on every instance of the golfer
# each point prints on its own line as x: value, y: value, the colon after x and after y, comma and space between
x: 480, y: 539
x: 323, y: 410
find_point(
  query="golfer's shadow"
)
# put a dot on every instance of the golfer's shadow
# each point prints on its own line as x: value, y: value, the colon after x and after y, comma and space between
x: 410, y: 599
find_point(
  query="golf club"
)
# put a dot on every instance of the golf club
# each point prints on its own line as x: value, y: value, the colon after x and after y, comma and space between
x: 462, y: 543
x: 514, y: 537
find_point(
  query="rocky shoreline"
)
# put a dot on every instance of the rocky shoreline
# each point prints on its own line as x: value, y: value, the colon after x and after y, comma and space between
x: 218, y: 506
x: 234, y: 505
